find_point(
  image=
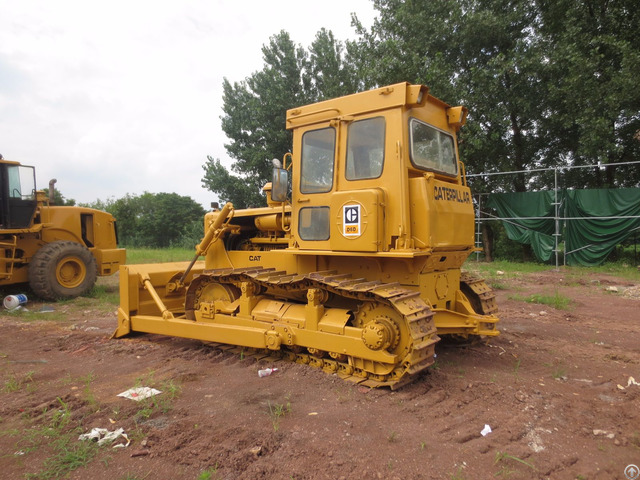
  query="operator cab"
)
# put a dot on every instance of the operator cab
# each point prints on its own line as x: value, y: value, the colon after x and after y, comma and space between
x: 17, y: 195
x: 360, y: 164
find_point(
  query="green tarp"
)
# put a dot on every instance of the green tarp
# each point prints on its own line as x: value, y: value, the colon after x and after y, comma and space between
x: 519, y: 207
x: 589, y: 237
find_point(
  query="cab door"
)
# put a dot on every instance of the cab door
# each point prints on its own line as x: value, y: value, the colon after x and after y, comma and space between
x: 18, y: 194
x: 314, y: 185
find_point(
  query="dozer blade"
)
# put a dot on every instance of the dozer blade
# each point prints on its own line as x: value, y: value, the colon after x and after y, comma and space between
x: 152, y: 290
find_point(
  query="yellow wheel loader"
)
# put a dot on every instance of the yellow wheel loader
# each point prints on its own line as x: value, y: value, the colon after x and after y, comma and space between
x: 58, y: 250
x: 355, y: 264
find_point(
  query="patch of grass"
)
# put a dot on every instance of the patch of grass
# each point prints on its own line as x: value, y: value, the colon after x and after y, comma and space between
x: 209, y: 473
x: 158, y: 255
x: 163, y: 402
x: 61, y: 438
x: 87, y: 392
x: 557, y: 301
x: 107, y: 293
x: 497, y: 285
x: 10, y: 433
x: 30, y: 316
x: 70, y: 454
x: 559, y: 372
x: 393, y: 437
x: 277, y: 411
x: 457, y: 475
x: 508, y: 462
x: 129, y: 476
x: 627, y: 270
x: 136, y: 435
x: 516, y: 368
x: 510, y: 269
x: 15, y: 383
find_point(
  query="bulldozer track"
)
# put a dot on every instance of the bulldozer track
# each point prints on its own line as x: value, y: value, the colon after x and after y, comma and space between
x: 484, y: 294
x: 415, y: 314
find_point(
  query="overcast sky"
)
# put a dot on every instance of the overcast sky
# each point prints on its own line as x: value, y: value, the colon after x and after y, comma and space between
x: 124, y: 97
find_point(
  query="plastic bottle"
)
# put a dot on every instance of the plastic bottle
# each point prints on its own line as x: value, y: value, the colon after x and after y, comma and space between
x: 11, y: 302
x: 266, y: 372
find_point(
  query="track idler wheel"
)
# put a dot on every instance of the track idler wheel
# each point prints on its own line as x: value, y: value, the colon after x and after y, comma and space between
x: 382, y: 333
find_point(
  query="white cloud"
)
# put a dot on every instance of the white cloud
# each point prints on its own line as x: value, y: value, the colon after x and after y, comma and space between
x: 125, y: 96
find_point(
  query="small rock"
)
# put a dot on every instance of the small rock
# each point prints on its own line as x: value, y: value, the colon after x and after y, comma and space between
x: 520, y: 396
x: 612, y: 289
x: 140, y: 453
x: 257, y: 451
x: 499, y: 272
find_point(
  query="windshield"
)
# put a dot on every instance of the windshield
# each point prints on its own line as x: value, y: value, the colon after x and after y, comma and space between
x: 432, y: 149
x: 318, y: 149
x: 21, y: 182
x: 365, y: 149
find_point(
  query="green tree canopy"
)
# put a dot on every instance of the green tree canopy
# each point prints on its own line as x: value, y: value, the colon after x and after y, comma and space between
x: 482, y: 54
x: 59, y: 199
x: 255, y: 111
x: 591, y: 71
x: 546, y: 83
x: 156, y: 220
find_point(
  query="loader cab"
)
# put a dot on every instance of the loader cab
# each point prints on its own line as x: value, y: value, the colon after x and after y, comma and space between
x: 354, y: 159
x: 17, y: 195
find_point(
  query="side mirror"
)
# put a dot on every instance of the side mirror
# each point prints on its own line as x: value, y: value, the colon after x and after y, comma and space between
x: 279, y: 185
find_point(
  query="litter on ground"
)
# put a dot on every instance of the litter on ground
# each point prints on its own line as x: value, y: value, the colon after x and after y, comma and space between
x: 103, y: 436
x: 139, y: 393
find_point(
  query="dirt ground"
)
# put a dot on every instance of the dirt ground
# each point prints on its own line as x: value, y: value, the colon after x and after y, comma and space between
x: 555, y: 388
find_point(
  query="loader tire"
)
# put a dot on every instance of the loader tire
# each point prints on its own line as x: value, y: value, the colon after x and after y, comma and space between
x: 62, y: 270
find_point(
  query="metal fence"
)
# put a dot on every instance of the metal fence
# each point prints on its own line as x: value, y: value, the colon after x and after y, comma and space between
x: 483, y: 216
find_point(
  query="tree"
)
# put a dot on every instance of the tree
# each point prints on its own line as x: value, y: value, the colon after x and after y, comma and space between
x: 592, y: 71
x: 547, y: 83
x: 157, y: 220
x: 479, y: 53
x: 59, y: 199
x: 255, y: 111
x: 330, y: 71
x: 254, y: 119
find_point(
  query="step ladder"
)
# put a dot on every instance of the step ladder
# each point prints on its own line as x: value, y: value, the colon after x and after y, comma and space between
x: 8, y: 260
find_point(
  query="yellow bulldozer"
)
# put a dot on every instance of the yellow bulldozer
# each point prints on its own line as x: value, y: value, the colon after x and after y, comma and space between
x: 355, y: 264
x: 58, y: 250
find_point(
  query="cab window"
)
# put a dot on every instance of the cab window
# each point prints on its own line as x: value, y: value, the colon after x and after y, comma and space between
x: 21, y: 182
x: 316, y: 168
x: 313, y: 223
x: 365, y: 149
x: 432, y: 149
